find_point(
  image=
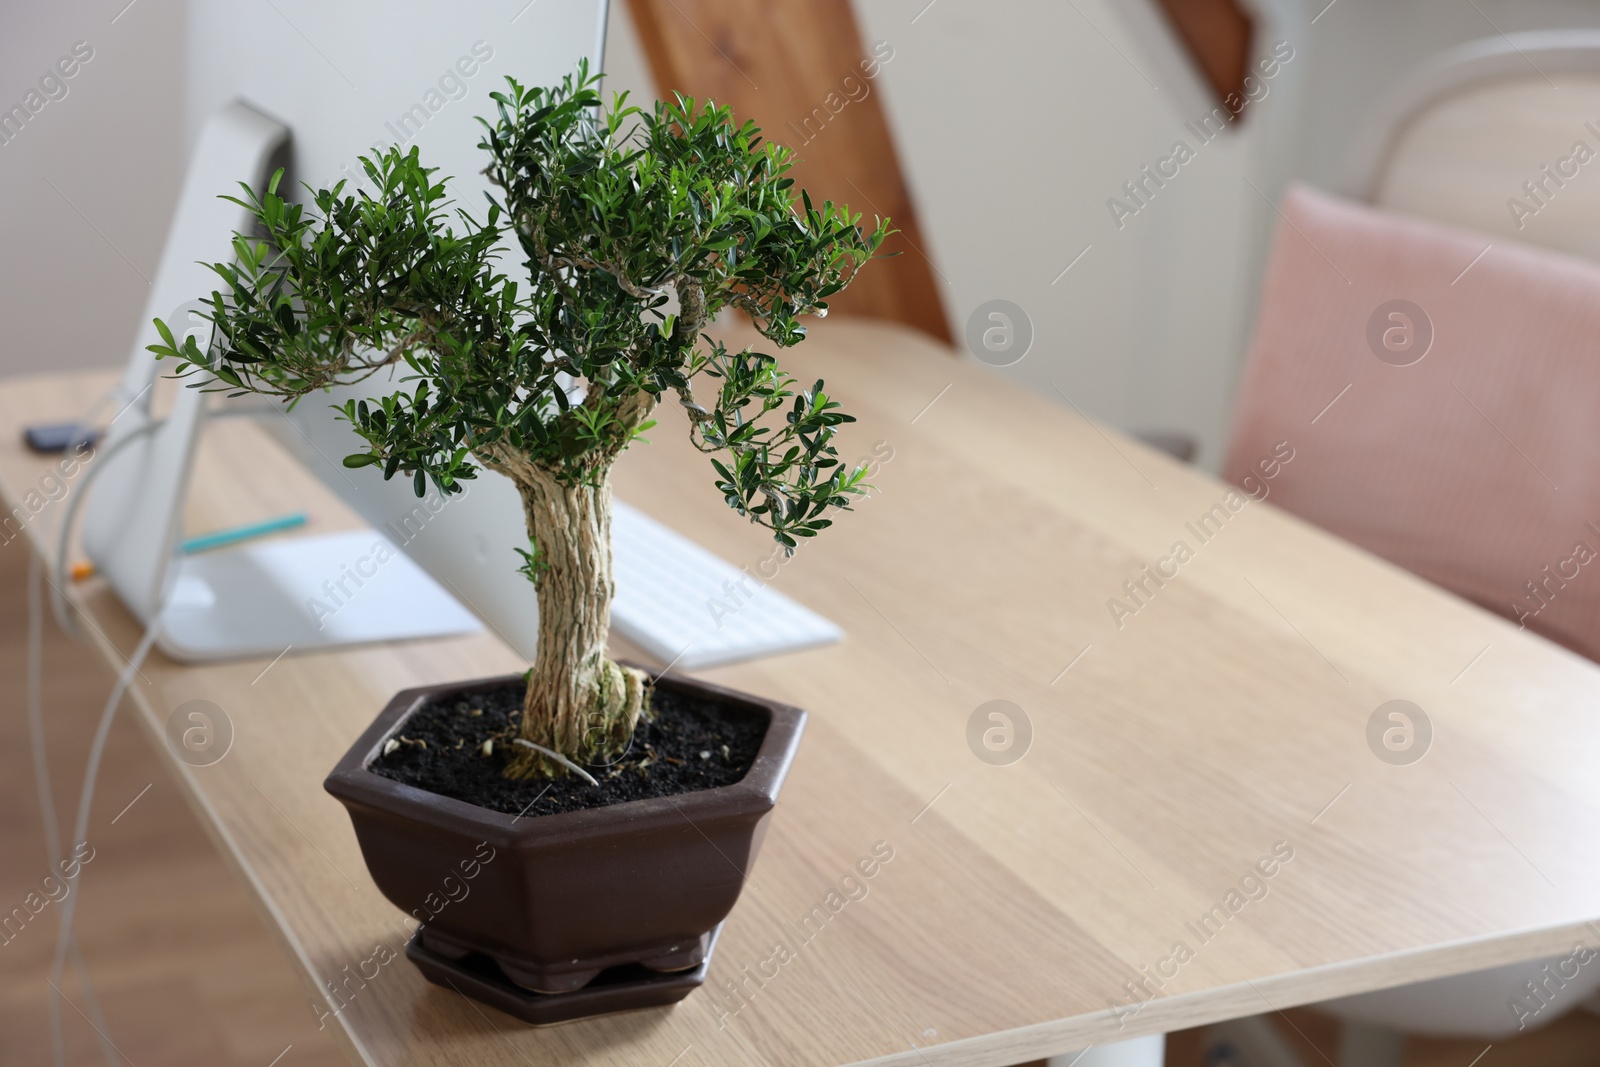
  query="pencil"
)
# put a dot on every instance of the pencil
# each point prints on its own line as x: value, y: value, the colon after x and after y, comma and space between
x: 216, y: 539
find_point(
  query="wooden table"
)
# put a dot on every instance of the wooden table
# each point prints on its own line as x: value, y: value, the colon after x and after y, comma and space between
x: 1170, y: 755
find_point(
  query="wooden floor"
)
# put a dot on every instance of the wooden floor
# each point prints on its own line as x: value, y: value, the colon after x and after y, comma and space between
x: 1571, y: 1041
x: 185, y: 970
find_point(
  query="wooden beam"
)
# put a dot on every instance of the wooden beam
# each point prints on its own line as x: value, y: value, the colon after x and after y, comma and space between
x: 800, y: 70
x: 1218, y: 35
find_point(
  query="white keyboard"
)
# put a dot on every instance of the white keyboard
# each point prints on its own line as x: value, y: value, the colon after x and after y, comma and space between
x: 691, y: 609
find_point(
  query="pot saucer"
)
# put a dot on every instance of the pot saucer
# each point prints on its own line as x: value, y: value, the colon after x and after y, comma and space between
x: 625, y: 988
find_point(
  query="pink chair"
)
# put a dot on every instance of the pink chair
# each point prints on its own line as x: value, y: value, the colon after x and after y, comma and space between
x: 1443, y: 403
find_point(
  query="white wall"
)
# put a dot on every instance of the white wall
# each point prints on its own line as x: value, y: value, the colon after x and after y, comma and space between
x: 1048, y: 109
x: 88, y: 185
x: 1015, y: 119
x: 1365, y: 47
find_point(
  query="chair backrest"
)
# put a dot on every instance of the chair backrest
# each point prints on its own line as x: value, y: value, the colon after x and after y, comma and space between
x: 1501, y: 135
x: 1440, y: 405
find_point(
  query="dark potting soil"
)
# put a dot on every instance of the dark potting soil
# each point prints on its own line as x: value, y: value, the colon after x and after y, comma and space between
x: 683, y: 744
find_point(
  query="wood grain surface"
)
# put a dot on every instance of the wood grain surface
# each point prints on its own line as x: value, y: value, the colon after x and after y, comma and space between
x: 801, y: 71
x: 1173, y: 759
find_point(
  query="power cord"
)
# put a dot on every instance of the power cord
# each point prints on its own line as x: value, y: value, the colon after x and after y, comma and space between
x: 66, y: 944
x: 58, y: 583
x: 61, y: 578
x: 80, y: 829
x: 46, y: 790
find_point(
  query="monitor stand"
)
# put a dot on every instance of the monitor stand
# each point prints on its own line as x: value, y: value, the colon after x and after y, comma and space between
x: 260, y: 599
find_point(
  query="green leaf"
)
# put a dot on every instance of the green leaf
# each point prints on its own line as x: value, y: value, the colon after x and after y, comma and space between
x: 613, y: 213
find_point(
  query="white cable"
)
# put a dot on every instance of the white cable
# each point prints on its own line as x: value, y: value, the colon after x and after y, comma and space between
x: 80, y: 829
x: 58, y: 594
x: 97, y: 1017
x: 99, y: 462
x: 46, y: 791
x: 59, y: 605
x: 65, y: 940
x: 47, y: 801
x: 41, y: 765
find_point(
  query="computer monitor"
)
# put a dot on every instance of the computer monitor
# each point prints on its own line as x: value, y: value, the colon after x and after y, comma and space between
x: 347, y: 81
x: 349, y: 78
x: 421, y: 75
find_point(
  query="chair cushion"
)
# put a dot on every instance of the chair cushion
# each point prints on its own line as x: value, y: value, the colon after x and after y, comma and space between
x: 1442, y: 402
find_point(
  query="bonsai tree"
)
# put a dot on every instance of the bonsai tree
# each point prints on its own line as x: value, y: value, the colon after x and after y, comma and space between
x: 636, y: 228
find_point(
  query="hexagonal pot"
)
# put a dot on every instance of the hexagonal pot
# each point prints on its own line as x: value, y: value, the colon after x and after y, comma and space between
x: 554, y: 900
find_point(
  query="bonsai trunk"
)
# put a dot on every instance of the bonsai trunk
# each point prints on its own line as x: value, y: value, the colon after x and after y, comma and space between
x: 579, y: 703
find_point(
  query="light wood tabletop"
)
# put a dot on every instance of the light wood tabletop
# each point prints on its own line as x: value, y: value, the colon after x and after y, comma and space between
x: 1199, y: 772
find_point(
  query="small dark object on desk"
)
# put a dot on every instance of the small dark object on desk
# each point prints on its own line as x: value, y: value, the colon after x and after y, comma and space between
x: 52, y: 437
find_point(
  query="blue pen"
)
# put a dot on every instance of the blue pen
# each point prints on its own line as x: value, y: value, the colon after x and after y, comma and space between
x: 216, y: 539
x: 233, y: 536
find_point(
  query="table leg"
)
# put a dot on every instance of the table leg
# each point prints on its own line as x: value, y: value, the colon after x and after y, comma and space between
x: 1364, y: 1045
x: 1147, y: 1051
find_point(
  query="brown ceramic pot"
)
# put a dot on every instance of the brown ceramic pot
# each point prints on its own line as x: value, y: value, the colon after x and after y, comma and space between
x: 554, y: 900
